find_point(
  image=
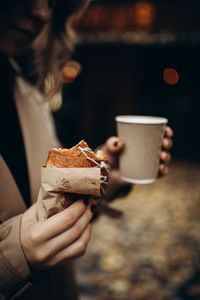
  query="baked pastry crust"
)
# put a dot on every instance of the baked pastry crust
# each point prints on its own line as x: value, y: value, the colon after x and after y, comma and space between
x: 79, y: 156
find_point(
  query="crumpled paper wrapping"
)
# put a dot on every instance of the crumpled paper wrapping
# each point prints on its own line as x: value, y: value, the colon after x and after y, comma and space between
x: 57, y: 184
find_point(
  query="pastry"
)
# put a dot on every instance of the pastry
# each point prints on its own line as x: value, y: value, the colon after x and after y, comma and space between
x: 79, y: 156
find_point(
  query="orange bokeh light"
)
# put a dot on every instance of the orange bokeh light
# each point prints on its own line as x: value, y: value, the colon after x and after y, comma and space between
x: 144, y: 14
x: 170, y: 76
x: 70, y: 72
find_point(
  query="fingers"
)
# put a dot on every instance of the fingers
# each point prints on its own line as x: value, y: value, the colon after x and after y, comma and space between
x: 62, y: 221
x: 44, y: 240
x: 75, y: 250
x: 169, y: 132
x: 165, y: 157
x: 163, y: 170
x: 167, y: 143
x: 167, y: 140
x: 65, y: 239
x: 114, y: 145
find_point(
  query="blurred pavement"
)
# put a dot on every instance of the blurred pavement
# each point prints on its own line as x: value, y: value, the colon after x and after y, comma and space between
x: 153, y: 251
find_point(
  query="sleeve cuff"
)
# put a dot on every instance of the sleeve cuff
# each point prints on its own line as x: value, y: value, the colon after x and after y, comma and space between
x: 14, y: 269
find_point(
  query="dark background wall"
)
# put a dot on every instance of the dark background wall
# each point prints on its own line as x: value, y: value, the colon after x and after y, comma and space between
x: 127, y: 78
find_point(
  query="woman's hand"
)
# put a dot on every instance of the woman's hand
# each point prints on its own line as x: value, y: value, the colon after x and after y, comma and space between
x: 113, y: 148
x: 165, y: 156
x: 62, y: 237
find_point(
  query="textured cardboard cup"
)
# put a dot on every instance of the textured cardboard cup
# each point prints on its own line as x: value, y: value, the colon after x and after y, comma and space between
x: 139, y: 161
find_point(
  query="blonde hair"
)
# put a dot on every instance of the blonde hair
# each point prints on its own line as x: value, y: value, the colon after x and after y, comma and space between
x: 53, y: 48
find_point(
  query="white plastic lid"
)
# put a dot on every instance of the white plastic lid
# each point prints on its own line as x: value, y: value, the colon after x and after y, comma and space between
x: 141, y: 119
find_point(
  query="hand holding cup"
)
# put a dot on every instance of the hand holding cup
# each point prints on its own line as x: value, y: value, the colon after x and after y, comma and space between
x: 143, y: 137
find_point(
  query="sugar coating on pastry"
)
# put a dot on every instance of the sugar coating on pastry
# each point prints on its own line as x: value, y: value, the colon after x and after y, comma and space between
x: 79, y: 156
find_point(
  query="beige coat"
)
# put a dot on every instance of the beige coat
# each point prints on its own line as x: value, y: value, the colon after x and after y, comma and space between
x: 16, y: 279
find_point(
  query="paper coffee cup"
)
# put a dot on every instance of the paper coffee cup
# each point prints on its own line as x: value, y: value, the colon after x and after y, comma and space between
x: 139, y: 161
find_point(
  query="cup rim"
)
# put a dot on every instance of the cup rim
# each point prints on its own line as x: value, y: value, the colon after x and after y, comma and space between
x: 139, y: 119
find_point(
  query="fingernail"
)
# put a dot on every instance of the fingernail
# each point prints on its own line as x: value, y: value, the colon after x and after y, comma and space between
x: 116, y: 143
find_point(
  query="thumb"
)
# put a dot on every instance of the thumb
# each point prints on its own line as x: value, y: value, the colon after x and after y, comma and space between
x: 114, y: 145
x: 113, y: 148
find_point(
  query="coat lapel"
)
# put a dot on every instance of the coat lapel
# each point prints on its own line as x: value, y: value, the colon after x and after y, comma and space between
x: 37, y: 130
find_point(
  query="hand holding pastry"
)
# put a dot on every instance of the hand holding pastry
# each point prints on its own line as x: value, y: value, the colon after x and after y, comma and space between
x: 68, y: 174
x: 61, y: 238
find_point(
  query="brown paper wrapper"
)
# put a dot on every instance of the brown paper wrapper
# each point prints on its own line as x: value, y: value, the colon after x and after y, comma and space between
x: 57, y: 182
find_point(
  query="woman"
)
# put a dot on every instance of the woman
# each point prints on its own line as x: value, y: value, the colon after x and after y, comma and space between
x: 35, y: 257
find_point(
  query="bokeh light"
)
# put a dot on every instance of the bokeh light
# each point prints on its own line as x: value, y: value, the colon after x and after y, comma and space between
x: 171, y: 76
x: 144, y: 14
x: 70, y: 72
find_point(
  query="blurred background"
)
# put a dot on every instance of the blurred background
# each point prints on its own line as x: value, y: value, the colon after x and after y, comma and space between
x: 136, y: 57
x: 140, y: 57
